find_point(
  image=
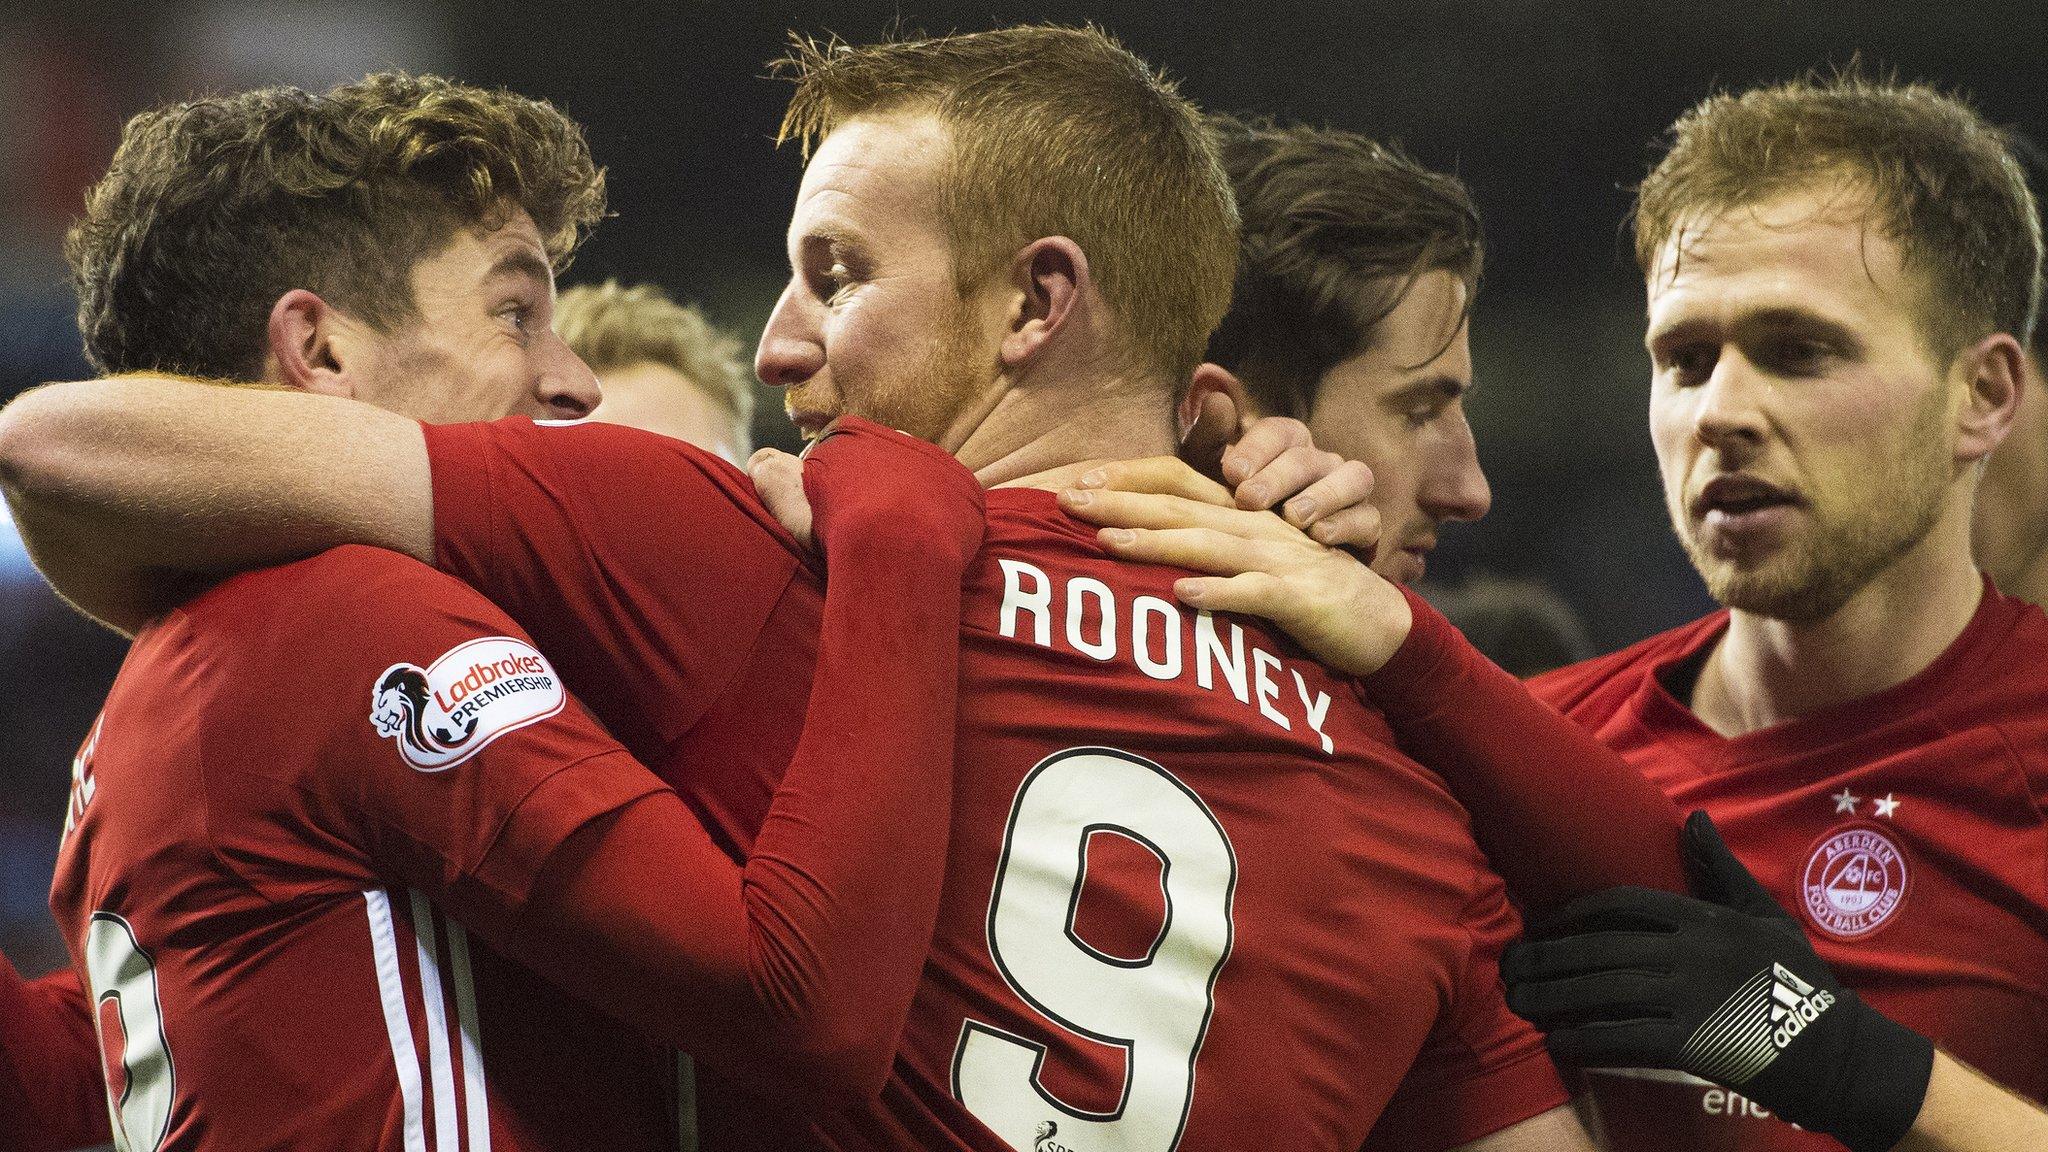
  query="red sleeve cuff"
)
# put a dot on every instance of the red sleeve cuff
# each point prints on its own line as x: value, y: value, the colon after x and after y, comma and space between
x: 1422, y: 661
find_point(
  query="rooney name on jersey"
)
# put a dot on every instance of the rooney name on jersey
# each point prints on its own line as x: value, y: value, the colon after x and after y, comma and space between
x: 1165, y: 642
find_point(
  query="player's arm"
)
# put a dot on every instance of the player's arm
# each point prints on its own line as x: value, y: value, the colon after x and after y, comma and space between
x: 125, y: 489
x: 827, y: 929
x: 52, y: 1095
x: 1557, y: 1130
x: 1557, y: 812
x: 1965, y: 1112
x: 1645, y: 979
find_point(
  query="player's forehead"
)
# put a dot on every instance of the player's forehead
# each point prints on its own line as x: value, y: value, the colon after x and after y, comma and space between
x: 1813, y: 253
x: 873, y: 179
x: 481, y: 258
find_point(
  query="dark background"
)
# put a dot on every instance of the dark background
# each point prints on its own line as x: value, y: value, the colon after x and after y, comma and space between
x: 1548, y: 110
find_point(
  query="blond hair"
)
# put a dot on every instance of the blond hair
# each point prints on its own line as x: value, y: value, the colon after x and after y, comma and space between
x: 1942, y: 184
x: 214, y: 208
x: 613, y: 327
x: 1055, y: 132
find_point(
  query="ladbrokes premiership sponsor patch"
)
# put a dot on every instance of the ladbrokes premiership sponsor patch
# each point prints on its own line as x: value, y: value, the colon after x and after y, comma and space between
x: 476, y: 692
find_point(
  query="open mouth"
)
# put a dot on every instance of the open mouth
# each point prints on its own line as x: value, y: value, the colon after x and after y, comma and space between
x: 1739, y: 496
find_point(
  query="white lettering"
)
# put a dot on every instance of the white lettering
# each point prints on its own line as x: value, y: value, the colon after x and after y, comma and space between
x: 1167, y: 667
x: 1316, y: 710
x: 1262, y: 661
x: 1158, y: 647
x: 1208, y: 650
x: 1038, y: 601
x: 1104, y: 648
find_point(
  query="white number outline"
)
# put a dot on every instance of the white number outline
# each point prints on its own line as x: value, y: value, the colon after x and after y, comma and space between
x: 970, y: 1027
x: 129, y: 1080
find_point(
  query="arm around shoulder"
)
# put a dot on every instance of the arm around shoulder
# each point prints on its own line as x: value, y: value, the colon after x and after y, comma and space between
x: 127, y: 488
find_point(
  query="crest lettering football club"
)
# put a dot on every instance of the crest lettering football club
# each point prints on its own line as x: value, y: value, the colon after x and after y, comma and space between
x: 447, y: 712
x: 1854, y: 882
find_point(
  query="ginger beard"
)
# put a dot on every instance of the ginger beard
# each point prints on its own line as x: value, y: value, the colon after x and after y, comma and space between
x: 1857, y: 526
x: 926, y: 398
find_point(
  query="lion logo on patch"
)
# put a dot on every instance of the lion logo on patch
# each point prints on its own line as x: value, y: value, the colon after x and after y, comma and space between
x: 446, y: 712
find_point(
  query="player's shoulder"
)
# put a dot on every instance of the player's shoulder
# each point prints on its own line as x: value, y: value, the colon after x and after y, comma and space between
x: 343, y: 607
x: 394, y: 587
x: 612, y: 475
x: 1574, y: 685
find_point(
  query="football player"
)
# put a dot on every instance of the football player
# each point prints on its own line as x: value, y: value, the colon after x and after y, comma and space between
x: 338, y: 819
x: 1202, y: 901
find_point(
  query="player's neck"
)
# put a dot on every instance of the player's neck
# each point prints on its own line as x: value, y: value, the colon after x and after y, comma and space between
x: 1765, y: 671
x: 2030, y: 583
x: 1038, y: 432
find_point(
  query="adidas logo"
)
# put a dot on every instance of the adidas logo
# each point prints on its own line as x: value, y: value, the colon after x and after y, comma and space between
x: 1750, y: 1028
x: 1794, y: 1005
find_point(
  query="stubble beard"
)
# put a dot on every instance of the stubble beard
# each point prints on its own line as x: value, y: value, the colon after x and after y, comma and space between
x: 954, y: 368
x: 1877, y: 522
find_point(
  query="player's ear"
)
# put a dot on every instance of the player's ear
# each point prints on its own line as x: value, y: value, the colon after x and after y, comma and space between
x: 1212, y: 413
x: 308, y: 344
x: 1995, y: 372
x: 1049, y: 280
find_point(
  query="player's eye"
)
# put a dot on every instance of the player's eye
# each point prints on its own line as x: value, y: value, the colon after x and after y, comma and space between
x: 836, y: 282
x: 1690, y: 363
x: 1797, y: 357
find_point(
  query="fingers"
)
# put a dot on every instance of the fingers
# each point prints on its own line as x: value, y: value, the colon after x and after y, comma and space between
x: 1145, y: 510
x: 1617, y: 1043
x: 1157, y: 475
x: 779, y: 480
x: 1717, y: 875
x: 1197, y: 549
x: 1576, y: 1000
x: 1532, y: 961
x: 1347, y: 486
x: 1626, y: 909
x: 1263, y: 443
x: 1251, y: 593
x: 1288, y: 474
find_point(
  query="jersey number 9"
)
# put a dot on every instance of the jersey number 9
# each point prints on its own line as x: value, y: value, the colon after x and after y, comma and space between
x: 1156, y: 1008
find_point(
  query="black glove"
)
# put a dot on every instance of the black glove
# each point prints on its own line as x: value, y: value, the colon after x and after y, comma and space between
x: 1727, y: 989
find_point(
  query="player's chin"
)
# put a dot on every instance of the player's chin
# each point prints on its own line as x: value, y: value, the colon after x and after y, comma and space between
x: 1401, y: 565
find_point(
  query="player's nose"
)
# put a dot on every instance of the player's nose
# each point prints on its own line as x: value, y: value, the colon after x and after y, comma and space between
x: 792, y: 350
x: 566, y: 387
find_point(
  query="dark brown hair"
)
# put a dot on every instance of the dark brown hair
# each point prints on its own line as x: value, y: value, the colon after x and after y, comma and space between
x: 1942, y: 184
x: 1055, y: 132
x: 1335, y: 229
x: 214, y: 208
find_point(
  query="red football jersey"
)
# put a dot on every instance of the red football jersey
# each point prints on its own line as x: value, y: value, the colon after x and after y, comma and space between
x: 290, y: 772
x: 1904, y: 830
x: 1194, y: 898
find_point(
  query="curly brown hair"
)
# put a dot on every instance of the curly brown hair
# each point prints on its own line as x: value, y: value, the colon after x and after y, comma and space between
x: 1055, y: 132
x: 1942, y: 183
x: 1336, y: 228
x: 213, y: 208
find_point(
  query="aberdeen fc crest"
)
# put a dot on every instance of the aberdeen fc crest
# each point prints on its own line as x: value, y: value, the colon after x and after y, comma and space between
x: 1854, y: 882
x: 448, y: 711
